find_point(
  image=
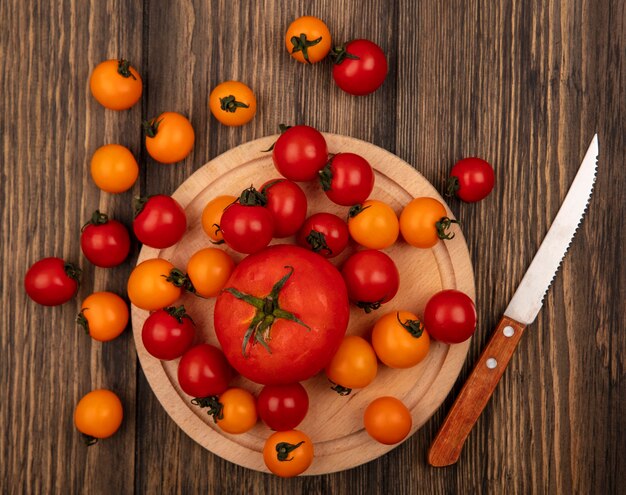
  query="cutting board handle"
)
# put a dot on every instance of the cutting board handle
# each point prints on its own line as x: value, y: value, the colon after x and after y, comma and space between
x: 447, y: 446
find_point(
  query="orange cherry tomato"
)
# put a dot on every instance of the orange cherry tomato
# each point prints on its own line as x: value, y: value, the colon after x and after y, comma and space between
x: 424, y: 221
x: 238, y: 411
x: 373, y: 224
x: 148, y: 287
x: 209, y: 269
x: 387, y: 420
x: 354, y: 365
x: 98, y: 414
x: 115, y: 84
x: 400, y: 339
x: 288, y: 453
x: 232, y: 103
x: 169, y: 137
x: 308, y: 39
x: 212, y: 215
x: 114, y: 168
x: 103, y: 315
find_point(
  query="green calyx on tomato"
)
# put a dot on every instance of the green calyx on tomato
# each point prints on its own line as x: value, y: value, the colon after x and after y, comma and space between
x: 317, y: 241
x: 443, y: 226
x: 72, y: 272
x: 89, y: 440
x: 82, y: 320
x: 302, y: 44
x: 216, y: 408
x: 252, y: 197
x: 451, y: 186
x: 356, y: 209
x: 414, y: 327
x: 368, y: 307
x: 178, y: 278
x: 341, y: 390
x: 140, y: 202
x: 339, y: 54
x: 230, y: 104
x: 267, y: 312
x: 283, y: 449
x: 151, y: 127
x: 326, y: 175
x: 281, y: 128
x: 97, y: 218
x: 123, y: 69
x: 179, y: 313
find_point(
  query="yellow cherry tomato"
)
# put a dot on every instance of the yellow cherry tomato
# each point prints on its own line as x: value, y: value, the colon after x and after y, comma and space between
x: 103, y: 315
x: 232, y: 103
x: 212, y: 215
x: 98, y: 414
x: 308, y: 39
x: 238, y: 413
x: 373, y: 224
x: 424, y: 221
x: 209, y: 269
x: 400, y: 339
x: 169, y: 137
x: 288, y: 453
x: 387, y: 420
x: 114, y: 168
x: 354, y: 365
x: 148, y: 287
x: 115, y: 84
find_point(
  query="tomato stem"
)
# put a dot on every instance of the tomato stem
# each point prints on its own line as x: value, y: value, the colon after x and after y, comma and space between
x: 230, y: 104
x: 151, y: 127
x: 178, y: 313
x: 283, y: 449
x: 72, y: 271
x: 451, y: 186
x: 339, y: 54
x: 442, y: 227
x: 89, y: 440
x: 356, y: 209
x: 267, y: 312
x: 368, y: 307
x: 217, y: 230
x: 97, y: 218
x: 326, y: 175
x: 81, y: 320
x: 252, y: 197
x: 178, y: 278
x: 317, y: 241
x: 341, y: 390
x: 216, y: 408
x: 414, y: 327
x: 123, y: 69
x: 282, y: 128
x: 302, y: 44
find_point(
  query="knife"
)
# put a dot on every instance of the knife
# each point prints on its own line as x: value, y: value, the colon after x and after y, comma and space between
x: 521, y: 312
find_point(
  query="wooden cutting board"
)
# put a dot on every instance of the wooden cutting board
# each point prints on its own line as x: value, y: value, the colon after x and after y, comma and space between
x: 333, y: 422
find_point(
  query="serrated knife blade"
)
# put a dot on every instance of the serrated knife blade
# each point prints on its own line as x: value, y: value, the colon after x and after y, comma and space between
x: 521, y: 311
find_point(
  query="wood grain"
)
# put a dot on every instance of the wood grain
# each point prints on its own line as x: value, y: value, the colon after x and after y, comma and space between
x: 524, y: 84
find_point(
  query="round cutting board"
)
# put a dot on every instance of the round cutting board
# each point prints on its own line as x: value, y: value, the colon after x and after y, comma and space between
x: 333, y: 422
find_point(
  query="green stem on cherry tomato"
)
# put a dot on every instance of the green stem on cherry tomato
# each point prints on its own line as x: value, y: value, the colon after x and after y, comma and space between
x: 451, y: 186
x: 140, y: 203
x: 82, y: 320
x: 283, y: 449
x: 178, y: 313
x: 326, y: 175
x: 368, y: 307
x: 216, y: 408
x: 89, y: 440
x: 230, y: 104
x: 356, y: 209
x: 339, y: 54
x: 442, y: 227
x: 178, y: 278
x: 318, y: 244
x: 97, y: 218
x: 123, y: 69
x: 151, y: 127
x: 72, y: 272
x: 341, y: 390
x: 414, y: 327
x: 252, y: 197
x: 267, y: 312
x: 282, y: 128
x: 302, y: 44
x: 217, y: 230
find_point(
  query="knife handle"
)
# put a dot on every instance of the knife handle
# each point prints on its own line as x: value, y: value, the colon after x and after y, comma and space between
x: 446, y: 448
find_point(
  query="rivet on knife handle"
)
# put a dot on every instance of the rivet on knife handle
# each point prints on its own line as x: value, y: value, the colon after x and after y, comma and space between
x: 447, y: 446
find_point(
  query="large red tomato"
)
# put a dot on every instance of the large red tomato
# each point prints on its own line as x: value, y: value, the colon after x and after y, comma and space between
x: 282, y: 315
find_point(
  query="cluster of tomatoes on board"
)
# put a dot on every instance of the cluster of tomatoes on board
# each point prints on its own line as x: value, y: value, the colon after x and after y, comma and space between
x: 281, y: 314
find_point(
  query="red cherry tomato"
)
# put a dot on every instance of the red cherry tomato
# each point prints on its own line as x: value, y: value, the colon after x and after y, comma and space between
x: 104, y: 242
x: 371, y: 277
x: 287, y: 203
x: 168, y: 333
x: 325, y: 234
x: 283, y: 407
x: 360, y: 67
x: 247, y: 226
x: 160, y: 221
x: 51, y: 281
x: 203, y: 371
x: 300, y: 153
x: 450, y: 316
x: 348, y: 179
x: 471, y: 179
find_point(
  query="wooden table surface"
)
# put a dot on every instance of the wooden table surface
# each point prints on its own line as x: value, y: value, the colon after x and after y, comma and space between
x: 524, y: 84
